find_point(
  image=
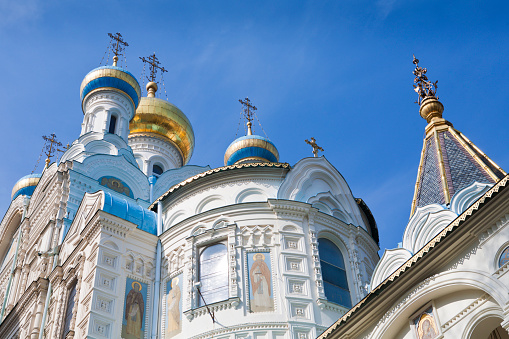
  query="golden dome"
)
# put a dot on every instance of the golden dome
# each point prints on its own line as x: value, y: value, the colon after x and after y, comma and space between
x: 159, y: 117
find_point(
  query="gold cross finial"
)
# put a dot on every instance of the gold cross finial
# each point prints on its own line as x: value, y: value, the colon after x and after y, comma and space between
x: 117, y: 46
x: 313, y: 144
x: 248, y: 111
x: 154, y: 66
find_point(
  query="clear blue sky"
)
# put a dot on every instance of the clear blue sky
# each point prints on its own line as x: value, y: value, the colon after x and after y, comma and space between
x: 340, y: 71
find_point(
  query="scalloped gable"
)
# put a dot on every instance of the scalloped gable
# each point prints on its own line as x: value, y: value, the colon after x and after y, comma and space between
x: 312, y: 176
x: 390, y: 262
x: 467, y: 196
x: 117, y: 166
x: 424, y: 225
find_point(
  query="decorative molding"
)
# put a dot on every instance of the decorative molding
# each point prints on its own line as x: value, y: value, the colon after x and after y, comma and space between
x: 464, y: 312
x: 215, y: 307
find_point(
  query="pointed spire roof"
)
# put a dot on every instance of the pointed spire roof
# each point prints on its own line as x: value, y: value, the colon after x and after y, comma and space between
x: 449, y: 160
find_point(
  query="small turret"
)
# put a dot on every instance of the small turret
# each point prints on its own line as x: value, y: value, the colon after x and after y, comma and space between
x: 449, y: 161
x: 250, y: 148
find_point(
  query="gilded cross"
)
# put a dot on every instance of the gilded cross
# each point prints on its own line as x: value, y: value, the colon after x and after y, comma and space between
x: 117, y: 44
x: 313, y: 144
x: 248, y: 109
x: 153, y: 66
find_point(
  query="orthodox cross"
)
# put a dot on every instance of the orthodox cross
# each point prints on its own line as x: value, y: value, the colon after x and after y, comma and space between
x: 313, y: 144
x: 248, y: 113
x: 153, y: 66
x: 117, y: 44
x: 424, y: 87
x: 52, y: 145
x: 248, y: 109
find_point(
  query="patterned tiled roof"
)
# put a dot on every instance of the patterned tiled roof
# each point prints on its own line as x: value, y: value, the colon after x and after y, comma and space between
x: 449, y: 163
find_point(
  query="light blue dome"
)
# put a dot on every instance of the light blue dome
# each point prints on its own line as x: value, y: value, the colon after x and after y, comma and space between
x: 251, y: 148
x: 111, y: 77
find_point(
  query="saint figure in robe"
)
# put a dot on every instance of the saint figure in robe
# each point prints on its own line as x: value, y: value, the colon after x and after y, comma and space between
x: 173, y: 309
x: 134, y: 309
x: 260, y: 285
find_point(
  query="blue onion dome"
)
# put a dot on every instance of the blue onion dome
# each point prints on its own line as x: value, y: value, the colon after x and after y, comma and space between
x: 113, y: 78
x: 251, y: 148
x: 25, y: 185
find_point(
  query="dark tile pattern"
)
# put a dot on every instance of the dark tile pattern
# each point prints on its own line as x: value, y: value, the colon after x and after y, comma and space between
x: 499, y: 174
x: 463, y: 168
x: 430, y: 188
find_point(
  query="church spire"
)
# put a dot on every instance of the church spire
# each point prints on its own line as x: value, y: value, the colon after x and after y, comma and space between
x: 449, y: 161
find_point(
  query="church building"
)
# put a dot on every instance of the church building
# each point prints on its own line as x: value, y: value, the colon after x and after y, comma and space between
x: 121, y: 238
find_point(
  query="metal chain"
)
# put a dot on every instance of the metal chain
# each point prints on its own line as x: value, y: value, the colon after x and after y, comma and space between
x: 125, y: 61
x: 164, y: 86
x: 143, y: 80
x: 238, y: 126
x: 260, y: 126
x: 106, y: 51
x: 39, y: 159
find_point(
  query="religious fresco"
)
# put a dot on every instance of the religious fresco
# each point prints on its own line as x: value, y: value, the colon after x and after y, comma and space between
x: 173, y: 307
x: 261, y: 297
x: 117, y: 185
x: 133, y: 322
x: 425, y: 325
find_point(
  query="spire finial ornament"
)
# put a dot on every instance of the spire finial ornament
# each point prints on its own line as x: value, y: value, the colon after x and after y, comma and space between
x: 248, y: 111
x: 430, y: 108
x: 153, y: 63
x: 315, y: 146
x: 424, y: 87
x: 117, y: 46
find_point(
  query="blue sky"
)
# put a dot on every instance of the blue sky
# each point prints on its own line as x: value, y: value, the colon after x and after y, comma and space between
x: 340, y: 71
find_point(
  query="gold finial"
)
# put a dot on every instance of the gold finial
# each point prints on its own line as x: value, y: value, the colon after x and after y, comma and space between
x: 154, y: 66
x: 248, y: 111
x: 151, y: 89
x: 117, y: 46
x: 315, y: 146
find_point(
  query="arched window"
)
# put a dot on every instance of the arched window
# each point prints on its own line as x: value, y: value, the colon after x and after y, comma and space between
x: 157, y: 170
x: 334, y: 273
x: 213, y: 274
x: 68, y: 310
x: 113, y: 124
x: 504, y: 257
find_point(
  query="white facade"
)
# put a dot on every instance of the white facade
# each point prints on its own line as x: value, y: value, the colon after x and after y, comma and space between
x: 103, y: 249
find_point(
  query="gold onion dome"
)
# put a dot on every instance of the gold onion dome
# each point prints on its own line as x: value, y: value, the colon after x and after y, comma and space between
x: 112, y: 78
x: 158, y: 117
x: 26, y: 185
x: 250, y: 148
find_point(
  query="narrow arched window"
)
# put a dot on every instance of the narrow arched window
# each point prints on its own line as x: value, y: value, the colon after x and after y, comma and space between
x: 157, y: 170
x: 68, y: 310
x: 504, y: 257
x: 334, y: 273
x: 213, y: 274
x: 113, y: 124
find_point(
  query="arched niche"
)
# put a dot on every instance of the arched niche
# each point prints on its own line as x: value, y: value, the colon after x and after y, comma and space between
x: 251, y: 195
x: 209, y: 203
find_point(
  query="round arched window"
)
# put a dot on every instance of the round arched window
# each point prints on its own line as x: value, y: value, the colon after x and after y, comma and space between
x: 157, y: 170
x: 504, y: 257
x: 334, y: 273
